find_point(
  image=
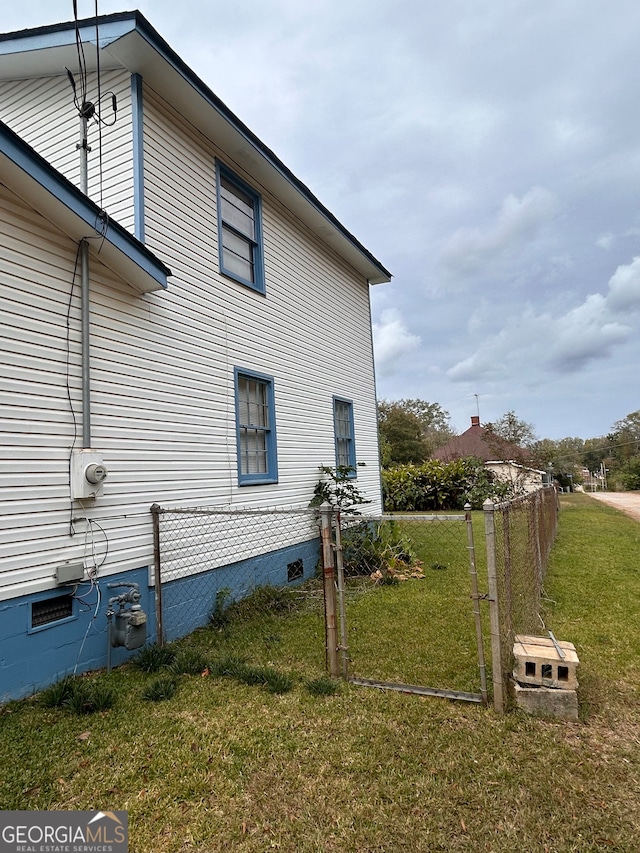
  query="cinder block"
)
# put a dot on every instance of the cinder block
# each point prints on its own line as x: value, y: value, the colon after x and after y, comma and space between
x: 538, y: 663
x: 547, y: 702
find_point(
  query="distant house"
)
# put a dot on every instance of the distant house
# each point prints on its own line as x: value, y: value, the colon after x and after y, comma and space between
x: 506, y: 460
x: 220, y: 352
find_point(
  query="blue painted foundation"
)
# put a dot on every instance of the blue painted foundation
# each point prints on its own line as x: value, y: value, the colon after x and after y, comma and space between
x: 31, y: 658
x: 188, y: 602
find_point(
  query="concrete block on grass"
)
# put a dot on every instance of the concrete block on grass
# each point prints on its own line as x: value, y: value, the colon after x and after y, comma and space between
x: 547, y: 701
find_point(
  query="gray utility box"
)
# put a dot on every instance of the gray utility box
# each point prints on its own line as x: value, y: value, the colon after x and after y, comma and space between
x: 70, y: 573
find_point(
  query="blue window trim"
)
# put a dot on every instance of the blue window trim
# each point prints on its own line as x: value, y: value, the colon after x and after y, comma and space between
x: 223, y: 171
x: 351, y: 438
x: 271, y: 474
x: 138, y: 155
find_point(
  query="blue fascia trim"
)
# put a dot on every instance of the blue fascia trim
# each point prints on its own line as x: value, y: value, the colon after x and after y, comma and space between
x: 352, y: 445
x: 271, y: 476
x: 112, y: 27
x: 23, y: 156
x: 138, y: 155
x: 259, y: 284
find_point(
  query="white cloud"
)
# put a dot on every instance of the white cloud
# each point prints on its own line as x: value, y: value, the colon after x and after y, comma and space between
x: 539, y: 342
x: 624, y: 288
x: 605, y: 241
x: 392, y: 340
x: 586, y: 333
x: 518, y: 222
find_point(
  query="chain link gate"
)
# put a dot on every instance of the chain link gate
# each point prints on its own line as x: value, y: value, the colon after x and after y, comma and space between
x: 421, y: 570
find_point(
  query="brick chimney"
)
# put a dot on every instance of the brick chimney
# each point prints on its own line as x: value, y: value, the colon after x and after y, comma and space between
x: 475, y: 420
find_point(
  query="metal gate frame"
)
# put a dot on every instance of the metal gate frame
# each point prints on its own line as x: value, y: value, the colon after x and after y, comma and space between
x: 335, y: 609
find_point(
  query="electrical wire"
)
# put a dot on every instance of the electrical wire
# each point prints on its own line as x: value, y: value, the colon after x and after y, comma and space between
x: 99, y: 100
x: 82, y: 62
x: 89, y: 626
x: 72, y: 531
x: 92, y: 523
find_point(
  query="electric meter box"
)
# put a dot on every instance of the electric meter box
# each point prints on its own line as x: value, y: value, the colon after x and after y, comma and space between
x: 88, y: 473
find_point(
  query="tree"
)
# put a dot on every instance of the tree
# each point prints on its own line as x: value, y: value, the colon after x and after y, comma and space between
x: 401, y: 438
x: 594, y: 452
x: 513, y: 429
x: 630, y: 474
x: 625, y: 437
x: 410, y: 430
x: 563, y: 458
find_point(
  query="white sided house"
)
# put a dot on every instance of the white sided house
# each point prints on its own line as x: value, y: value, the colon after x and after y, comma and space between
x: 196, y: 327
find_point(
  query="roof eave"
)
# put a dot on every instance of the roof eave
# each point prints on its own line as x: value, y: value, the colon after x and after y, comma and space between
x: 128, y: 40
x: 41, y: 186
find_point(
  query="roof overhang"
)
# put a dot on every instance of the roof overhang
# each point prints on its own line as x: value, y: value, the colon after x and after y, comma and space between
x: 41, y: 186
x: 128, y: 41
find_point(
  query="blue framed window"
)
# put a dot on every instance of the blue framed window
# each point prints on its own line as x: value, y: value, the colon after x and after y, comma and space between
x: 239, y: 230
x: 255, y: 428
x: 344, y: 434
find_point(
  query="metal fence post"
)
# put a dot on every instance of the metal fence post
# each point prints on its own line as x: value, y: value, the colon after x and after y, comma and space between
x: 476, y: 602
x: 329, y: 586
x: 155, y: 516
x: 494, y: 611
x: 343, y: 647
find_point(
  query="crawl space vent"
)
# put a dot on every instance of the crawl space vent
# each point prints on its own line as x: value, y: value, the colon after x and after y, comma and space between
x: 51, y: 610
x: 295, y: 570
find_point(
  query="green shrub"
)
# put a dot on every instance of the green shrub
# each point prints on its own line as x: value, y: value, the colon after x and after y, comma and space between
x: 434, y: 486
x: 188, y: 662
x: 57, y: 694
x: 153, y: 658
x: 161, y: 689
x: 80, y: 695
x: 339, y: 488
x: 370, y: 546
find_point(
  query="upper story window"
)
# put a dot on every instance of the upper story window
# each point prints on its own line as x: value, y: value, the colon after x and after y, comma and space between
x: 255, y: 428
x: 239, y: 230
x: 344, y: 435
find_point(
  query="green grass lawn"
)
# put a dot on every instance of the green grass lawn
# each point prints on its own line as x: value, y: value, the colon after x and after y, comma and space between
x: 226, y: 765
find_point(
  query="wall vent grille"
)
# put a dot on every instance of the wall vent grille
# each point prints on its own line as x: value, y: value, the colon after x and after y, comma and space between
x: 295, y: 570
x: 51, y: 610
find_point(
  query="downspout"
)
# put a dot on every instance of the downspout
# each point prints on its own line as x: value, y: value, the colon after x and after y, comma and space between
x: 85, y: 324
x: 85, y: 302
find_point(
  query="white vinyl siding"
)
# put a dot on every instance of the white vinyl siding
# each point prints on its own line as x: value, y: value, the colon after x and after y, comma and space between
x: 162, y: 367
x: 312, y: 333
x: 42, y: 112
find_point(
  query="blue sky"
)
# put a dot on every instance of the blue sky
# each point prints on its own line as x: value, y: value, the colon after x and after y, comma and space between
x: 486, y: 151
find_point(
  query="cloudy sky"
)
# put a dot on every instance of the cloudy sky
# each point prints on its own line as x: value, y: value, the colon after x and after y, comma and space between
x: 487, y: 152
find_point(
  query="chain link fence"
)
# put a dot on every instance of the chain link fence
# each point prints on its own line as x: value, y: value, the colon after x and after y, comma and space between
x: 408, y: 604
x: 519, y: 537
x: 207, y: 558
x: 402, y: 605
